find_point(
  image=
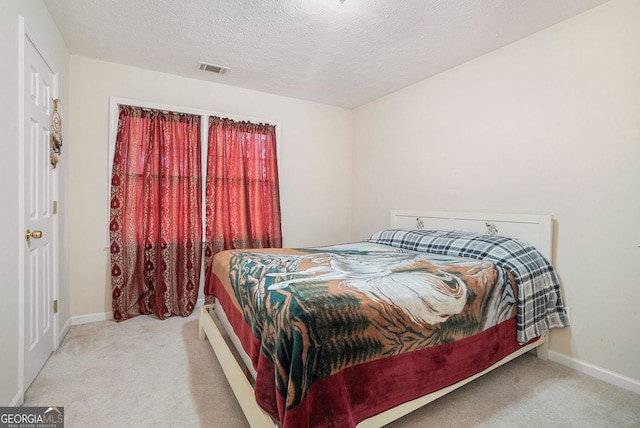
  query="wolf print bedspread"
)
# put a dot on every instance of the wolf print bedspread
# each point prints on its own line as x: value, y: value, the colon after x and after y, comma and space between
x: 319, y: 311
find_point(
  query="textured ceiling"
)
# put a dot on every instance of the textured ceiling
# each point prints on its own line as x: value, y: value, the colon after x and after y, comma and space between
x: 317, y: 50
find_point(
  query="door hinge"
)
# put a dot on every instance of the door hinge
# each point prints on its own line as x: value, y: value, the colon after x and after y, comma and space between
x: 55, y: 306
x: 55, y: 207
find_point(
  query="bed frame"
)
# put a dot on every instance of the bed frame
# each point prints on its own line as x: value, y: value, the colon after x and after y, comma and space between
x: 534, y: 229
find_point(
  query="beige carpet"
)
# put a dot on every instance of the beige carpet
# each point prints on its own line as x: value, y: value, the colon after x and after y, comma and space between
x: 145, y: 372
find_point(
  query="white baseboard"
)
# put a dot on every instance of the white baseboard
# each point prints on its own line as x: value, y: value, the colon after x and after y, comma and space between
x: 89, y: 318
x: 103, y: 316
x: 597, y: 372
x: 64, y: 331
x: 17, y: 400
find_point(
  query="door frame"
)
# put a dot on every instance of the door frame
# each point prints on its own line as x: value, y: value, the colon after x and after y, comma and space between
x: 24, y: 35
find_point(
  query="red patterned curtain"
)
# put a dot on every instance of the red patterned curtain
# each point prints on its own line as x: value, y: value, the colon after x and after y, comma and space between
x: 156, y: 214
x: 242, y: 196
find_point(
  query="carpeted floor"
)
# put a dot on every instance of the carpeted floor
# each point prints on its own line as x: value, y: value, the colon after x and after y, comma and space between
x: 145, y: 372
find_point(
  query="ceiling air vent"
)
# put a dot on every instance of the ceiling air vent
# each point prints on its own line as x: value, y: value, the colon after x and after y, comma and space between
x: 213, y: 68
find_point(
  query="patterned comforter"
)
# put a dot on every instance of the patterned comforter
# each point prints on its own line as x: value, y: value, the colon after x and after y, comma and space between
x: 316, y: 312
x: 540, y: 305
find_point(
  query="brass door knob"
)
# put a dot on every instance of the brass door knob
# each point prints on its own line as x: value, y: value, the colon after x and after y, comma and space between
x: 36, y: 234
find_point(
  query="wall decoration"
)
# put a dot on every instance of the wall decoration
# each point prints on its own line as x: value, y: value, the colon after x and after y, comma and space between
x: 56, y: 134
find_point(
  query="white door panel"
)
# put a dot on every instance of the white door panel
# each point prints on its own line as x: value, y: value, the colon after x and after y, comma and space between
x: 39, y: 219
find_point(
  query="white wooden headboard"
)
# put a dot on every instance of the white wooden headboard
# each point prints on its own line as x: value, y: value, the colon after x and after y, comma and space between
x: 535, y: 229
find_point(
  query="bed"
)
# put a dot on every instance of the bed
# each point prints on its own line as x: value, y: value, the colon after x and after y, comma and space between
x: 361, y: 334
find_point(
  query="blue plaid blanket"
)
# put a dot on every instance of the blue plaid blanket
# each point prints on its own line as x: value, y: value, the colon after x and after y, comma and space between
x: 540, y: 305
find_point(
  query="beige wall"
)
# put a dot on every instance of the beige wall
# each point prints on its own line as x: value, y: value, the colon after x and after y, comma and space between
x: 314, y: 162
x: 8, y: 214
x: 550, y: 125
x: 41, y: 28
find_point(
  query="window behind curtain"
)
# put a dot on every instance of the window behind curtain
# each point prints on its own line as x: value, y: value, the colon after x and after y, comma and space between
x: 156, y: 213
x: 242, y: 193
